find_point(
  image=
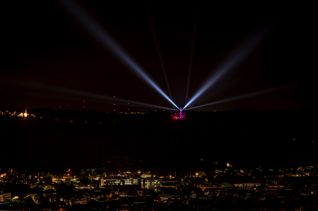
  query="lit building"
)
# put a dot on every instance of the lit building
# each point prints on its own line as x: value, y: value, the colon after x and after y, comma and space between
x: 5, y: 196
x: 146, y: 176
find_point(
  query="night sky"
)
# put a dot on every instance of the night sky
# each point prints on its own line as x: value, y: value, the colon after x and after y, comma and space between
x: 43, y: 46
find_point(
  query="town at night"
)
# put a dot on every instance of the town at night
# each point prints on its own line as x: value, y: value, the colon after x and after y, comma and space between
x: 158, y: 106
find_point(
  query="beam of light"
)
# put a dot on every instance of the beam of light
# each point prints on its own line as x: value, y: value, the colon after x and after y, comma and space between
x: 238, y: 97
x: 100, y: 97
x: 191, y: 56
x: 231, y: 61
x: 109, y: 43
x: 153, y: 31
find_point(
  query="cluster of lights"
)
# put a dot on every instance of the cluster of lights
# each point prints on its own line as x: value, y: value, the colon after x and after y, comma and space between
x: 26, y: 115
x: 14, y: 113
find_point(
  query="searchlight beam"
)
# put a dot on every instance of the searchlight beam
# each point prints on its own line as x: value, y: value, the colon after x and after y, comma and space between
x: 237, y: 98
x: 231, y: 61
x: 109, y: 43
x: 100, y: 97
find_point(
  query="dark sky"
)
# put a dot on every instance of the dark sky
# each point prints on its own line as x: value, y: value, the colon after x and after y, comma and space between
x: 43, y: 46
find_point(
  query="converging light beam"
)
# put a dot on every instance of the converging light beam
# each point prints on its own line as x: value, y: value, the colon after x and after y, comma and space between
x: 191, y: 57
x: 237, y: 97
x: 100, y: 97
x: 109, y: 43
x: 232, y: 60
x: 158, y: 50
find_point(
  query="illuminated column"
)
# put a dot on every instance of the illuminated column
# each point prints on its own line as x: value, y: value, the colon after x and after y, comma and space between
x: 180, y: 113
x: 114, y: 103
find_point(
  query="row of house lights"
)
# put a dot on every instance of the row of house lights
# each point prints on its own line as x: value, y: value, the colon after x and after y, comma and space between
x: 115, y: 104
x: 84, y: 106
x: 25, y: 114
